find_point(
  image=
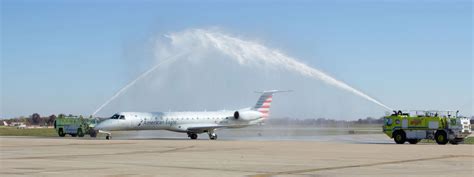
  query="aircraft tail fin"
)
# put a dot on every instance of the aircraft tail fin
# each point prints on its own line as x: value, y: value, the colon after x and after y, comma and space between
x: 265, y: 101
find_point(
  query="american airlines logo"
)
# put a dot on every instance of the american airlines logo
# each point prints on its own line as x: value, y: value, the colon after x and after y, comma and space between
x: 139, y: 124
x: 264, y: 105
x: 160, y: 122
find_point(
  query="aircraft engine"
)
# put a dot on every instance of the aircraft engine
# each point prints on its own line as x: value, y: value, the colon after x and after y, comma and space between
x: 247, y: 115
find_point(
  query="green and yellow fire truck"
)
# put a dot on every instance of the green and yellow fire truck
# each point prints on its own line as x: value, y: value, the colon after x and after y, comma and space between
x: 75, y: 126
x: 413, y: 126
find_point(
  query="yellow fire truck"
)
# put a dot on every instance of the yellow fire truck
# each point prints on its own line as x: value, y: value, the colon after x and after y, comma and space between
x: 413, y: 126
x: 75, y: 126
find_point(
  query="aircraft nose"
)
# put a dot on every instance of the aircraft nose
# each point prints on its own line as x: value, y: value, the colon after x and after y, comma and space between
x: 98, y: 126
x: 105, y: 125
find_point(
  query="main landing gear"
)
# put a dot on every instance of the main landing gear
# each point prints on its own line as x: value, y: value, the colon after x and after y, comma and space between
x: 108, y: 136
x: 193, y: 136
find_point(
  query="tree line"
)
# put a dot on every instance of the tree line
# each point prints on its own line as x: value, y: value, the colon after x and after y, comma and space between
x: 34, y: 119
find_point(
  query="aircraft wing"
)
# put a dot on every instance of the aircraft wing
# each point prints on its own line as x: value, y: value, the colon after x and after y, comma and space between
x: 204, y: 127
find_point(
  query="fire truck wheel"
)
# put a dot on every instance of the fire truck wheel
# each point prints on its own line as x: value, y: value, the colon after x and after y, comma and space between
x: 80, y: 133
x: 93, y: 133
x: 441, y: 137
x: 61, y: 132
x: 413, y: 141
x: 399, y: 137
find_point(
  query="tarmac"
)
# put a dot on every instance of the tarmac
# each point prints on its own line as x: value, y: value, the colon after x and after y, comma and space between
x: 30, y: 156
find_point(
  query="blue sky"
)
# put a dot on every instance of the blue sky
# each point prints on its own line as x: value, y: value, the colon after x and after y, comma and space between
x: 70, y: 56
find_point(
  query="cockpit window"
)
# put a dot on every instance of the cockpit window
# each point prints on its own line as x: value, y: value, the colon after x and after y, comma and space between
x: 115, y: 116
x: 122, y: 117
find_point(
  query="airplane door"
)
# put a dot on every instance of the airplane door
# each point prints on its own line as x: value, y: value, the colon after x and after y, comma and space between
x: 135, y: 121
x: 122, y: 122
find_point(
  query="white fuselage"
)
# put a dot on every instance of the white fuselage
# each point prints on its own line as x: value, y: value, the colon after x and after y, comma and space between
x: 192, y: 123
x: 175, y: 121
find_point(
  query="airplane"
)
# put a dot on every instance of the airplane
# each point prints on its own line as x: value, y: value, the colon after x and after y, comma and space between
x: 18, y: 125
x: 192, y: 123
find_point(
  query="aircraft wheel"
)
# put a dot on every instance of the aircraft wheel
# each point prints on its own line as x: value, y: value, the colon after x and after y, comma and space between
x: 108, y: 137
x: 213, y: 136
x: 193, y: 136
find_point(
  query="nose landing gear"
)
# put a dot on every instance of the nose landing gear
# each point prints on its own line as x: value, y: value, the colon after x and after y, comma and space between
x: 109, y: 135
